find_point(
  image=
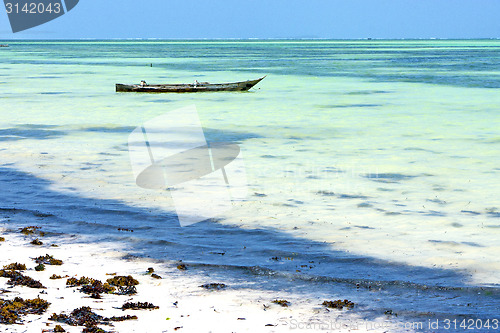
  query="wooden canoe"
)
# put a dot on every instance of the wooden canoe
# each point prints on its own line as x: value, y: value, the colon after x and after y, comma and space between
x: 187, y: 87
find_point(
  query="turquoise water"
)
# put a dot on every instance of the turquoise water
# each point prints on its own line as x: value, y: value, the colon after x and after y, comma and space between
x: 379, y: 159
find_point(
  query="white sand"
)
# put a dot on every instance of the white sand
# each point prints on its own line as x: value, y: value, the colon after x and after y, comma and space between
x: 197, y: 310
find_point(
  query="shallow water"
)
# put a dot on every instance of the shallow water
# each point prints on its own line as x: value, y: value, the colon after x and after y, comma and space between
x: 373, y: 161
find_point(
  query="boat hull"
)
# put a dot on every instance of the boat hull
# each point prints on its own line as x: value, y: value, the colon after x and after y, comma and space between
x: 188, y: 88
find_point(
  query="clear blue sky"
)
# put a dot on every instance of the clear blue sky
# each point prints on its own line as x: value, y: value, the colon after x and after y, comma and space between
x: 270, y: 19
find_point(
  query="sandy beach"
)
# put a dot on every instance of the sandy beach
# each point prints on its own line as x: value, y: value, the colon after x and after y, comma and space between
x: 184, y: 305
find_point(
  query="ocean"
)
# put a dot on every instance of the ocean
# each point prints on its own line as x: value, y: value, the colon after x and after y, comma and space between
x: 373, y: 166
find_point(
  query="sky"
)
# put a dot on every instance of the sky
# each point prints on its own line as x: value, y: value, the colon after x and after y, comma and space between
x: 333, y: 19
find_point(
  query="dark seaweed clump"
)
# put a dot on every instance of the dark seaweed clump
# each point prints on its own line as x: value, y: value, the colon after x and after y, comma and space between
x: 122, y: 281
x: 79, y: 317
x: 85, y: 317
x: 15, y: 267
x: 36, y: 242
x: 18, y: 279
x: 91, y: 286
x: 97, y: 288
x: 214, y: 286
x: 58, y: 328
x: 73, y: 282
x: 284, y: 303
x: 125, y: 284
x: 156, y: 276
x: 29, y: 230
x: 2, y: 239
x: 57, y: 277
x: 181, y: 267
x: 40, y: 267
x: 338, y: 304
x: 123, y: 318
x: 11, y: 311
x: 48, y: 260
x: 139, y: 306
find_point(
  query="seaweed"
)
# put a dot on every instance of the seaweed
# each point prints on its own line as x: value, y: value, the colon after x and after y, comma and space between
x: 79, y: 317
x: 11, y: 311
x: 15, y: 267
x: 151, y: 270
x: 91, y: 286
x: 181, y: 267
x: 29, y: 230
x: 122, y: 281
x: 156, y: 276
x: 93, y: 329
x: 40, y: 267
x: 2, y: 239
x: 97, y: 287
x: 57, y: 277
x: 338, y: 304
x: 58, y: 328
x: 214, y: 286
x: 18, y: 279
x: 123, y: 318
x: 48, y: 260
x: 139, y: 306
x: 36, y: 242
x: 73, y: 282
x: 284, y: 303
x: 126, y: 290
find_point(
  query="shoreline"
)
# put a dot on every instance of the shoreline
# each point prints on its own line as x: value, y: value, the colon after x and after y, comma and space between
x: 184, y: 306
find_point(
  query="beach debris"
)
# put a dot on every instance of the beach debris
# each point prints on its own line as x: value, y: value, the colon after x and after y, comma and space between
x: 15, y: 267
x: 181, y: 267
x: 40, y: 268
x: 139, y: 306
x: 93, y: 329
x: 74, y: 282
x: 97, y: 288
x: 178, y: 328
x: 125, y: 229
x: 48, y: 260
x: 123, y: 318
x: 36, y: 241
x: 18, y: 279
x: 122, y: 281
x: 284, y: 303
x: 58, y: 328
x: 338, y: 304
x: 156, y: 276
x: 57, y: 277
x: 29, y: 230
x: 214, y: 286
x: 2, y: 239
x: 79, y: 317
x: 151, y: 270
x: 126, y: 290
x: 85, y: 317
x: 11, y: 272
x: 11, y: 311
x: 91, y: 286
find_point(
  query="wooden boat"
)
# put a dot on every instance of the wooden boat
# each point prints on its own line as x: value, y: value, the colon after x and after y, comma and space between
x: 187, y: 87
x: 4, y: 45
